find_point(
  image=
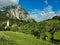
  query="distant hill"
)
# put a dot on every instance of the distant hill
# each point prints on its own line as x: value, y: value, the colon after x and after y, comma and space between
x: 56, y: 17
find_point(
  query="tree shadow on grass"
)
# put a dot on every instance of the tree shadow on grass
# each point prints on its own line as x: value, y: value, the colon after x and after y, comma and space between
x: 56, y: 41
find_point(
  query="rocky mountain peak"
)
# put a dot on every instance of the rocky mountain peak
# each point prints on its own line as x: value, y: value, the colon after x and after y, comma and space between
x: 16, y: 12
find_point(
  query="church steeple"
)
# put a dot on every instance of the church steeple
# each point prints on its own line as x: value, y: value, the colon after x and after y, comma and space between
x: 7, y: 23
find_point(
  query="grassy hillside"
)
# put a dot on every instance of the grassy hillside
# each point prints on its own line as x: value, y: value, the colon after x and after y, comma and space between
x: 44, y: 26
x: 57, y: 35
x: 16, y: 38
x: 38, y: 29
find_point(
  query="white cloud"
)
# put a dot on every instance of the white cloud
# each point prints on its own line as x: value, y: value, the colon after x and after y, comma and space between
x: 58, y: 13
x: 8, y: 2
x: 46, y: 2
x: 46, y: 13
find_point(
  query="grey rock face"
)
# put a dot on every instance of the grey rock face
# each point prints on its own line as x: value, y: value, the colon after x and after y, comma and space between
x: 16, y: 12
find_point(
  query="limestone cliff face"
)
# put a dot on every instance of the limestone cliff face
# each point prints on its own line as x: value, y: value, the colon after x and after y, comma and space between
x: 16, y: 12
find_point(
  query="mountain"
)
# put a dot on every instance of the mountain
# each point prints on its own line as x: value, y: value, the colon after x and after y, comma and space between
x: 15, y: 12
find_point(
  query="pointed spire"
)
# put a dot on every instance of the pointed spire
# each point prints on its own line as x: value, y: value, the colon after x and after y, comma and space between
x: 7, y: 23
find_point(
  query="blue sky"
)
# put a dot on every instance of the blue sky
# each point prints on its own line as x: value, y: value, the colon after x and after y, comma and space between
x: 41, y: 9
x: 40, y: 4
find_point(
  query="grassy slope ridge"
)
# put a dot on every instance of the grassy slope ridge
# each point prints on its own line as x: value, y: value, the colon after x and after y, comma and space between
x: 45, y: 26
x: 16, y: 38
x: 56, y: 23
